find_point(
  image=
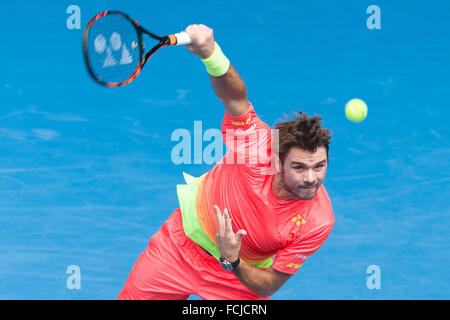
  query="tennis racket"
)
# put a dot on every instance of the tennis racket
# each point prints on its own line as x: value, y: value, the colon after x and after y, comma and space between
x: 114, y: 49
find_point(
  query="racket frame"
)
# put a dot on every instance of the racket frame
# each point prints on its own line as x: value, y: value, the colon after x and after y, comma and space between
x: 143, y: 58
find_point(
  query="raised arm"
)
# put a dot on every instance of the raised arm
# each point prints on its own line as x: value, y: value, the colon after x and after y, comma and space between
x: 229, y: 87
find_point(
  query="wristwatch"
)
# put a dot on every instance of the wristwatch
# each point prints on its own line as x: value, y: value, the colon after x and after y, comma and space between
x: 228, y: 266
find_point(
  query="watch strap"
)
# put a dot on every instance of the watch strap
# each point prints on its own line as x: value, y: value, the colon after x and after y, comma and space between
x: 236, y: 263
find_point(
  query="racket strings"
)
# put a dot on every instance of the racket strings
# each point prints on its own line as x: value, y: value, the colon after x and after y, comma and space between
x: 113, y: 49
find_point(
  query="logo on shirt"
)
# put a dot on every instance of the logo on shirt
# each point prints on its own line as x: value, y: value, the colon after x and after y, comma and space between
x: 241, y: 132
x: 300, y: 256
x: 241, y: 123
x: 298, y: 220
x: 294, y: 265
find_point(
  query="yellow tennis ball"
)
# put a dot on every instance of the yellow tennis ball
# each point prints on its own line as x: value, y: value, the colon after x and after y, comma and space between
x: 356, y: 110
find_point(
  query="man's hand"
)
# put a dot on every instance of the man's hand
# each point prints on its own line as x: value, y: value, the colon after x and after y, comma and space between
x: 202, y: 40
x: 229, y: 243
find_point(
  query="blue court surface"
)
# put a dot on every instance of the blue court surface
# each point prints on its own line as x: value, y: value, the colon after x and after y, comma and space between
x: 86, y: 175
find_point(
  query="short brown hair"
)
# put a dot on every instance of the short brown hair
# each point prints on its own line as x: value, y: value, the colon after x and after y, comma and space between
x: 302, y: 132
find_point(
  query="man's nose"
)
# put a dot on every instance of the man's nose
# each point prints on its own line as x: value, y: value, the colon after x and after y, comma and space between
x: 309, y: 177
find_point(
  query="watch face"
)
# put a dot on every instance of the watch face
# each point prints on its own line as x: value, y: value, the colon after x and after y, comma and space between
x: 225, y: 264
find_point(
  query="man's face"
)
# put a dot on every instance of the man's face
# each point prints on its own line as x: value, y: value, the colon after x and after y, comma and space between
x: 304, y: 171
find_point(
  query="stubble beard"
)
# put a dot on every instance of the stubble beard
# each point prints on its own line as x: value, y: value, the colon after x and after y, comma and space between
x: 294, y: 190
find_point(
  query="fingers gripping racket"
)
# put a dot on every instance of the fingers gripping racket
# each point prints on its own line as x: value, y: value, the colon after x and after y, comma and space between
x: 114, y: 49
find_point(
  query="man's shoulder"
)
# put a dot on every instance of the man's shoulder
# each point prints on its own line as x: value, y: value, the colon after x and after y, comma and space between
x: 250, y: 119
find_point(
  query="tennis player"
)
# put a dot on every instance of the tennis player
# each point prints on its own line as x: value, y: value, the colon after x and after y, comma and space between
x: 245, y: 227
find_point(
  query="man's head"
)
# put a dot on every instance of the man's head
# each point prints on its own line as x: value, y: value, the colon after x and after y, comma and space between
x: 303, y: 152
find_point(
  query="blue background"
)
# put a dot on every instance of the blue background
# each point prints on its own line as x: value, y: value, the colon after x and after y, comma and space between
x: 86, y: 175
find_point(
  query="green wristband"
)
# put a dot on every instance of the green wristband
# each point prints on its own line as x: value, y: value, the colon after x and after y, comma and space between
x: 217, y: 64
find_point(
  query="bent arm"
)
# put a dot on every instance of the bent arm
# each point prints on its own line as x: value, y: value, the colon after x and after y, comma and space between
x: 263, y: 282
x: 229, y: 87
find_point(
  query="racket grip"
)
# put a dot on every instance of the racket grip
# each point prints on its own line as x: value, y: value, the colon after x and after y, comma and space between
x: 182, y: 38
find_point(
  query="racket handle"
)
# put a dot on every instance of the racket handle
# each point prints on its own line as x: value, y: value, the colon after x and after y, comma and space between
x: 180, y: 38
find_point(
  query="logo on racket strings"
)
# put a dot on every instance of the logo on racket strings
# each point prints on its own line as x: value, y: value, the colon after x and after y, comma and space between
x: 115, y: 44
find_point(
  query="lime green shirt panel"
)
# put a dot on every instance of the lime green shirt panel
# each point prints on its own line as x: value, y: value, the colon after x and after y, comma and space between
x: 186, y: 196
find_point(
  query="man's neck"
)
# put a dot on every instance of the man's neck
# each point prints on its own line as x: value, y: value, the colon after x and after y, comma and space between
x: 279, y: 189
